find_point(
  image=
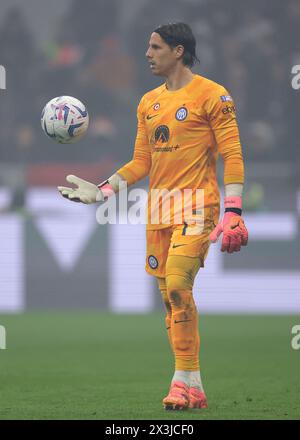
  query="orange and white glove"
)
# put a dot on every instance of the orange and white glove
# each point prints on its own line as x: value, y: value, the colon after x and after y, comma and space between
x: 232, y: 226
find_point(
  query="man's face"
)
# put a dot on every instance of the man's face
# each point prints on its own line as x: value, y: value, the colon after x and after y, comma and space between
x: 161, y: 56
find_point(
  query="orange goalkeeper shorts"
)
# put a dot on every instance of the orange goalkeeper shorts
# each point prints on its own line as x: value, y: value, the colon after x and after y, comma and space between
x: 184, y: 240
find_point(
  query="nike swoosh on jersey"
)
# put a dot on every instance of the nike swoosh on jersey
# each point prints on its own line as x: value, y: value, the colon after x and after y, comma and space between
x: 177, y: 245
x: 151, y: 116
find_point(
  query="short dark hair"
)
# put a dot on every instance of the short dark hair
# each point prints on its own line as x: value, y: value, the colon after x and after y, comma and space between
x: 175, y: 34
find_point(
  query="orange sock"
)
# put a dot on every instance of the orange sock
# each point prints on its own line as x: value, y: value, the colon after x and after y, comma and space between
x: 184, y: 330
x: 180, y: 274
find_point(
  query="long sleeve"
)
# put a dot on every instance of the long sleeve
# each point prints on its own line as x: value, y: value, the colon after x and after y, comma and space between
x: 221, y: 113
x: 140, y: 165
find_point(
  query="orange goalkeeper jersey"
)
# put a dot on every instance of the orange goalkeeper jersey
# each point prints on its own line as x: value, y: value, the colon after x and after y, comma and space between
x: 179, y: 136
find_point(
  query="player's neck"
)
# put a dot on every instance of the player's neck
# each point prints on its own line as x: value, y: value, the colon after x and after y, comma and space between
x: 179, y: 78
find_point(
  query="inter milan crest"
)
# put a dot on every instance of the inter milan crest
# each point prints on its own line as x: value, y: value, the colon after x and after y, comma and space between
x: 181, y: 114
x: 153, y: 263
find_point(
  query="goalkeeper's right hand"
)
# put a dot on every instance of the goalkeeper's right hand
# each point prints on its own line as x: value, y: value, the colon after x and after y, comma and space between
x: 85, y: 192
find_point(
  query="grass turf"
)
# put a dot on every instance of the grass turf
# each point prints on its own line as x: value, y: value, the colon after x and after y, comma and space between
x: 102, y: 366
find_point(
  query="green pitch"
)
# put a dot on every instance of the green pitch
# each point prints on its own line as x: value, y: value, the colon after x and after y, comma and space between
x: 101, y: 366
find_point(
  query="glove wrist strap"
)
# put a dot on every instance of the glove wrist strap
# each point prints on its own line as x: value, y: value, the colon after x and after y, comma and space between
x: 237, y: 211
x: 107, y: 189
x: 233, y: 204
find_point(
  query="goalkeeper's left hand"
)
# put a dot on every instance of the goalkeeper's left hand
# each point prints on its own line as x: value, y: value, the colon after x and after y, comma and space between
x: 234, y: 231
x: 85, y: 192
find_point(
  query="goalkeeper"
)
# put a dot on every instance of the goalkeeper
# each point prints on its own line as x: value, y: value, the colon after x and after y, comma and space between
x: 183, y: 125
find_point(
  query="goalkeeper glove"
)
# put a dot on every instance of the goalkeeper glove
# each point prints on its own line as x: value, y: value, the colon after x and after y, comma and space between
x: 85, y: 192
x: 232, y: 225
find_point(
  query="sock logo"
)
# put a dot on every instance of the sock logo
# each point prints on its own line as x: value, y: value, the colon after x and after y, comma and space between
x: 184, y: 320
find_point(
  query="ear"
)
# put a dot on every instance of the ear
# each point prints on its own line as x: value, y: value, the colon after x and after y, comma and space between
x: 179, y: 51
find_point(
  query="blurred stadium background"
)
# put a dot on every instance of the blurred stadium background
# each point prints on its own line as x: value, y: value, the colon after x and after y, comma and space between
x: 53, y: 254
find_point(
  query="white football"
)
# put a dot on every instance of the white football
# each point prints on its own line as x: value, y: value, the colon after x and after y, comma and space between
x: 65, y: 119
